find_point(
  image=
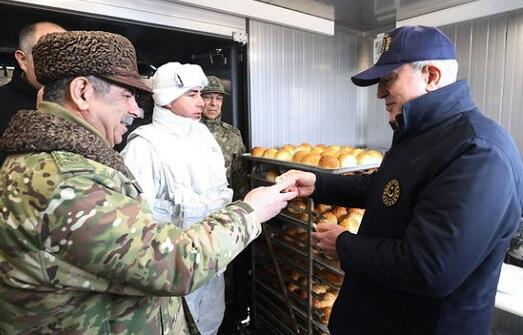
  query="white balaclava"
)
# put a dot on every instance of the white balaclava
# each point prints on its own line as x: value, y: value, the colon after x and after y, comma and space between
x: 171, y: 80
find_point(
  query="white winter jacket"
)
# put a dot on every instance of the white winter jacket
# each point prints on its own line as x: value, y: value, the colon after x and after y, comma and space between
x: 180, y: 167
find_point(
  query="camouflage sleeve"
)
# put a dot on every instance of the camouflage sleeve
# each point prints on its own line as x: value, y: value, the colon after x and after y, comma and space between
x: 239, y: 180
x: 112, y: 239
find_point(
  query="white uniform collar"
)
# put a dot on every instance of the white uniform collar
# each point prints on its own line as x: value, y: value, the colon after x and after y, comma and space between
x: 173, y: 123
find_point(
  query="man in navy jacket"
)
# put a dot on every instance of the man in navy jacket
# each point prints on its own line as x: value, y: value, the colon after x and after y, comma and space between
x: 440, y: 211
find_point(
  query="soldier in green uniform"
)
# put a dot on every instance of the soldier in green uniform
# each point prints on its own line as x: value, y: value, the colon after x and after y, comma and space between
x: 80, y: 252
x: 228, y: 137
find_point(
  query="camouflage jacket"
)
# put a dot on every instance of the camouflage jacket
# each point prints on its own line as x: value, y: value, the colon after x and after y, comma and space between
x: 79, y: 251
x: 231, y: 143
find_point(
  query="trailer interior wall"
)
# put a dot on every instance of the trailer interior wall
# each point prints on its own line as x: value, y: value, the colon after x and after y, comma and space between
x: 300, y: 88
x: 489, y: 52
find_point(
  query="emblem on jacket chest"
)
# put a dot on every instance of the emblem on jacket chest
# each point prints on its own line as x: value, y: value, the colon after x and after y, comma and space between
x: 391, y: 192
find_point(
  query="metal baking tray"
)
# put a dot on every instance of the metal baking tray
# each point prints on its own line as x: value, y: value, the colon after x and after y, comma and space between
x: 310, y: 168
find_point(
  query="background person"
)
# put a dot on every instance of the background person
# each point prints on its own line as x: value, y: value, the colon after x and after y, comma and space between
x: 20, y: 92
x: 440, y: 210
x: 80, y: 251
x: 228, y: 137
x: 231, y: 144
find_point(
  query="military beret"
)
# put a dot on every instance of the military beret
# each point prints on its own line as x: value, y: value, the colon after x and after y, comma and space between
x: 81, y: 53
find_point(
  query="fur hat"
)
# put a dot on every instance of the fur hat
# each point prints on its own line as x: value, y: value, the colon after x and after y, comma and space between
x: 82, y: 53
x: 171, y: 80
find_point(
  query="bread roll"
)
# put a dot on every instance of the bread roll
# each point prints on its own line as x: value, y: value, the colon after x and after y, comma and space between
x: 257, y: 151
x: 375, y: 153
x: 350, y: 224
x: 365, y: 159
x: 347, y: 160
x: 334, y: 147
x: 318, y: 150
x: 298, y: 156
x: 339, y: 211
x: 357, y: 151
x: 321, y: 208
x: 319, y: 288
x: 311, y: 159
x: 329, y: 162
x: 288, y: 147
x: 303, y: 147
x: 346, y: 149
x: 271, y: 175
x: 283, y: 155
x: 328, y: 217
x: 270, y: 153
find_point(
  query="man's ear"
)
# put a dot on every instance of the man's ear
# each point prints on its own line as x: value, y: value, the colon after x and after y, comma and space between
x: 432, y: 76
x: 21, y: 58
x: 80, y: 92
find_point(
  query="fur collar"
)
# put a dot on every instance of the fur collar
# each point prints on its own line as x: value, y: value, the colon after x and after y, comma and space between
x: 53, y: 128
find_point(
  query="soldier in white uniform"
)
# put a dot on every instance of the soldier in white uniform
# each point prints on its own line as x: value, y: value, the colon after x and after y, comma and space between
x: 182, y: 171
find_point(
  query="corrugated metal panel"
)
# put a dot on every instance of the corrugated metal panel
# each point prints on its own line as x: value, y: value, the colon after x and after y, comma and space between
x: 300, y: 89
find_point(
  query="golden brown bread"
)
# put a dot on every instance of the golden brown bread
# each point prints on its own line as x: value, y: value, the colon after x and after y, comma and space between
x: 298, y: 156
x: 283, y: 155
x: 329, y: 162
x: 347, y: 160
x: 311, y: 159
x: 339, y: 211
x: 322, y: 208
x: 257, y: 151
x: 328, y: 217
x: 270, y: 153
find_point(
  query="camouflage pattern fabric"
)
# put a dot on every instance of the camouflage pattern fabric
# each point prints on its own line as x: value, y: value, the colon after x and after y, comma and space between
x: 80, y: 253
x: 231, y: 143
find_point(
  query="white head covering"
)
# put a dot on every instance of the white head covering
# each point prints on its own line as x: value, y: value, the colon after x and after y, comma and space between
x: 173, y: 79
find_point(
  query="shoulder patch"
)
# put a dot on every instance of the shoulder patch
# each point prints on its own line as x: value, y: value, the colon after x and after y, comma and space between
x: 231, y: 128
x: 68, y: 162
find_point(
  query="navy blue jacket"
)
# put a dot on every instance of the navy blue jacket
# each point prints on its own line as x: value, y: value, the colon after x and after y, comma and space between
x: 428, y: 254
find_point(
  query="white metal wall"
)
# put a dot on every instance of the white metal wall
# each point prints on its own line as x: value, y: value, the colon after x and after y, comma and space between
x: 489, y: 54
x: 300, y: 89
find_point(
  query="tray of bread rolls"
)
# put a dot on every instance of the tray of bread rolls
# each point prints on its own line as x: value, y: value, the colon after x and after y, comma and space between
x: 318, y: 158
x: 296, y: 282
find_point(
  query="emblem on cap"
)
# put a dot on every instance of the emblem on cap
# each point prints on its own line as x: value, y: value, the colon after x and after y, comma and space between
x: 391, y: 193
x: 385, y: 43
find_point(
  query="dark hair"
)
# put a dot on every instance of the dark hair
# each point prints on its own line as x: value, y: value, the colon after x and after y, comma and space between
x: 55, y: 91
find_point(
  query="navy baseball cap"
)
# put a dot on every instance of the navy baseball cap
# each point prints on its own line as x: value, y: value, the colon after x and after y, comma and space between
x: 406, y: 45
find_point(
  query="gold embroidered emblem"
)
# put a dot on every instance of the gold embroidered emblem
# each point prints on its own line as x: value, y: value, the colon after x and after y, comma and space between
x: 391, y: 193
x: 385, y: 43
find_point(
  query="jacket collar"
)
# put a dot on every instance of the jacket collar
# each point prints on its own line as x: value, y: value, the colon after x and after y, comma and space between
x: 20, y: 84
x: 432, y: 108
x: 212, y: 124
x: 173, y: 123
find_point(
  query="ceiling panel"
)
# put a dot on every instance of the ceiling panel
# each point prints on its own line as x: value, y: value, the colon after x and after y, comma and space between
x: 366, y: 14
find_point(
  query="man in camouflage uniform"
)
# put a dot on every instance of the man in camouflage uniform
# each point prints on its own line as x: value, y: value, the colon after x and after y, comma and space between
x: 79, y: 250
x: 228, y: 137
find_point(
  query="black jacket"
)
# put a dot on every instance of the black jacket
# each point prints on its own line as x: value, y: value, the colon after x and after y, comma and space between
x: 16, y: 95
x: 428, y: 254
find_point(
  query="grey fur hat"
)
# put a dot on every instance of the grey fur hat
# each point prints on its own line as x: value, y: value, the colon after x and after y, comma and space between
x: 81, y: 53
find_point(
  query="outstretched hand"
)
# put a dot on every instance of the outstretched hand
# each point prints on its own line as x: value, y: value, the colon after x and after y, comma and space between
x: 303, y: 182
x: 268, y: 201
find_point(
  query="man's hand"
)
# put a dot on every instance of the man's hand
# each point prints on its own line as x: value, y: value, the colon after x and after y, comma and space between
x: 267, y: 202
x: 325, y: 237
x: 303, y: 182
